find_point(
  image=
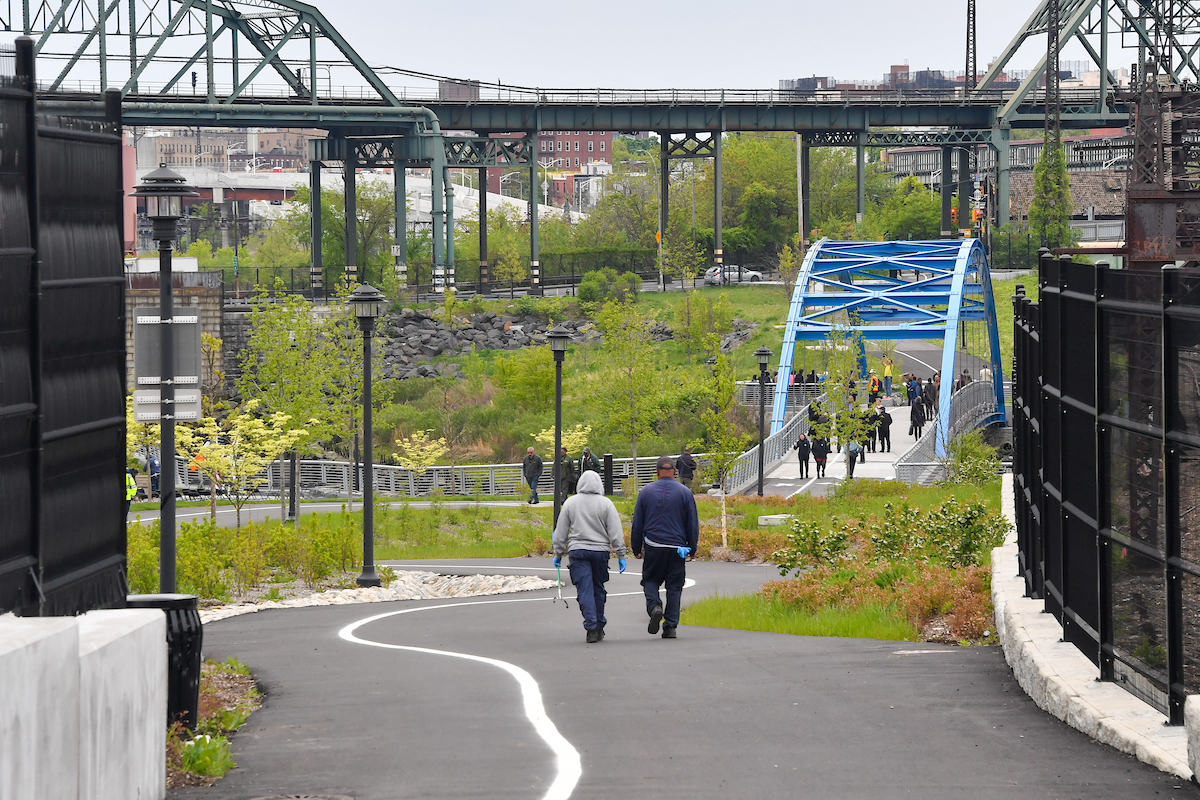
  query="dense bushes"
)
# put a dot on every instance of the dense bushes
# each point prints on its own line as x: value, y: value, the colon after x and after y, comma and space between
x: 601, y: 285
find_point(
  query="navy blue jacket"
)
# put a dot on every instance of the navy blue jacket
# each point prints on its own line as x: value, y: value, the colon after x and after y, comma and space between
x: 665, y: 513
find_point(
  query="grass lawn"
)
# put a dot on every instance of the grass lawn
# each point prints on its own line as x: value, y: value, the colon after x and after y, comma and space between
x: 756, y: 613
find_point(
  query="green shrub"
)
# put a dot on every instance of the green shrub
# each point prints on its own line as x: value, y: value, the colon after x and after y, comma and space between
x: 142, y: 556
x: 600, y: 285
x: 248, y: 558
x: 970, y: 460
x: 810, y: 544
x: 547, y: 308
x: 208, y: 755
x: 200, y: 559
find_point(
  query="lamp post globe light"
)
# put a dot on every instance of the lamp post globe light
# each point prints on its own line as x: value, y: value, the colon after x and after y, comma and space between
x: 764, y: 358
x: 163, y: 191
x: 559, y: 339
x: 367, y: 302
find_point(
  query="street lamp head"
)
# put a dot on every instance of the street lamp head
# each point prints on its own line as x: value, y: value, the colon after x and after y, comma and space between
x: 368, y: 304
x: 559, y: 339
x: 164, y: 191
x: 764, y: 357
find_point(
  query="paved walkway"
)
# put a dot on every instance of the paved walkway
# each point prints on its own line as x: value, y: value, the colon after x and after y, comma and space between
x: 502, y: 699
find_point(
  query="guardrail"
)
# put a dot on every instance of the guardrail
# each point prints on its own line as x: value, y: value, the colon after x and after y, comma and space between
x: 971, y: 407
x: 799, y: 395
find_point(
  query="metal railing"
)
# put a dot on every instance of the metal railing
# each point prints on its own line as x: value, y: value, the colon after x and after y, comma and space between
x: 971, y: 407
x: 798, y: 397
x: 744, y: 472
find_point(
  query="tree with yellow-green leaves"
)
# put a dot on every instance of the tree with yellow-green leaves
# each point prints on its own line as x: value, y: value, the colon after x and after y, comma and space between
x: 234, y: 453
x: 629, y: 390
x: 139, y: 436
x: 723, y: 443
x: 572, y: 438
x: 419, y: 452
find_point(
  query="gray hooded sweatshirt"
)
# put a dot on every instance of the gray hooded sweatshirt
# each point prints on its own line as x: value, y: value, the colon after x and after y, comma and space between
x: 589, y: 520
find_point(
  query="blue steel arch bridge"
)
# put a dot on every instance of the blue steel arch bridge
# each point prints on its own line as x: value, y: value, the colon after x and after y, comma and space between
x: 864, y: 292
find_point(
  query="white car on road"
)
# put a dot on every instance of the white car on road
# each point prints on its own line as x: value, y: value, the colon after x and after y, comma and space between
x: 713, y: 276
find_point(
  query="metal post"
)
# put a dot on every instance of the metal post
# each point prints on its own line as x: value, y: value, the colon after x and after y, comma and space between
x: 762, y: 419
x: 535, y: 269
x: 718, y: 201
x: 292, y: 476
x: 449, y: 184
x: 800, y: 187
x: 166, y: 398
x: 351, y: 204
x: 966, y: 187
x: 1000, y: 142
x: 368, y: 576
x: 484, y: 285
x: 316, y: 270
x: 664, y: 188
x: 608, y: 474
x: 558, y: 362
x: 861, y: 180
x: 401, y: 201
x: 805, y: 193
x: 947, y: 188
x: 438, y: 278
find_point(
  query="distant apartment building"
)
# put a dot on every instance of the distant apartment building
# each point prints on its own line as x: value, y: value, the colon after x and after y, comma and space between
x: 181, y: 148
x: 226, y: 150
x: 571, y: 159
x: 275, y: 149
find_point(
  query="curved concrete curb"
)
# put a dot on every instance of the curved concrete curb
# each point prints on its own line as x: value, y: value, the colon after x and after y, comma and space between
x: 1063, y: 682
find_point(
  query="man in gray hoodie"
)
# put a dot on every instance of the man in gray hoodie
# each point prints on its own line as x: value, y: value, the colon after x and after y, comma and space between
x: 588, y: 528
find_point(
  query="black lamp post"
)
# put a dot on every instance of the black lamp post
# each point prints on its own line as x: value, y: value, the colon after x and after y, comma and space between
x: 368, y: 304
x: 164, y: 191
x: 559, y: 339
x: 764, y: 357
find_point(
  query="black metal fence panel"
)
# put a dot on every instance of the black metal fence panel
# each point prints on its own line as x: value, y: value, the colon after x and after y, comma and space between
x: 1107, y: 468
x: 62, y: 355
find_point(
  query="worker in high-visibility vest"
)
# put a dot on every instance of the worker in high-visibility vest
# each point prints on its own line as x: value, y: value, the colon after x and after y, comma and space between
x: 130, y: 488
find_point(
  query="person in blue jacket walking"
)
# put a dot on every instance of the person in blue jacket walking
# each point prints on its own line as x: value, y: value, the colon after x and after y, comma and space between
x: 666, y: 528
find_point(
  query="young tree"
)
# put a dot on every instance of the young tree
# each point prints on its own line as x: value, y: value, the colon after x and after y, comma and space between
x: 790, y: 260
x: 528, y: 376
x: 723, y: 442
x: 684, y: 259
x: 343, y: 383
x: 451, y: 398
x: 139, y: 436
x: 572, y: 438
x: 417, y: 453
x: 629, y: 389
x: 236, y: 451
x: 842, y: 407
x: 508, y: 264
x: 212, y: 387
x: 1050, y: 211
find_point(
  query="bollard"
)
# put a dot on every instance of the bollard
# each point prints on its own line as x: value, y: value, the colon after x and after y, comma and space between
x: 185, y: 635
x: 608, y: 476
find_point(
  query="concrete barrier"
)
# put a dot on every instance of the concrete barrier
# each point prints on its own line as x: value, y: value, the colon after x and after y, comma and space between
x: 82, y: 704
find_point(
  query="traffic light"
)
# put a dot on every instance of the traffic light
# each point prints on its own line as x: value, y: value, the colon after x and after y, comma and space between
x: 954, y: 217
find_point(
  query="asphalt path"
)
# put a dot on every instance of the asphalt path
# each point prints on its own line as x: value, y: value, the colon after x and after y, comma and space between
x: 500, y: 697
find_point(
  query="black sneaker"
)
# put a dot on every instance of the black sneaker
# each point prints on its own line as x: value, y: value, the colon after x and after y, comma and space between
x: 668, y: 633
x: 593, y: 636
x: 656, y: 616
x: 600, y: 631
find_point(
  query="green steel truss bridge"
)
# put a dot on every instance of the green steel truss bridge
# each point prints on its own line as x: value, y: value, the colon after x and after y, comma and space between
x: 243, y: 63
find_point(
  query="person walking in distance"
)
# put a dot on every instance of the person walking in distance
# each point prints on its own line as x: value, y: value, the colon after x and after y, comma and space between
x: 888, y: 365
x: 884, y: 426
x: 929, y: 396
x: 130, y: 488
x: 588, y: 461
x: 531, y: 469
x: 820, y: 453
x: 687, y: 467
x: 589, y: 527
x: 803, y: 448
x: 566, y: 476
x: 917, y: 419
x: 853, y: 451
x: 666, y: 528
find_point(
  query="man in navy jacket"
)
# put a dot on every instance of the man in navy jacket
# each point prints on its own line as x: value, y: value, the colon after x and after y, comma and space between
x: 666, y: 528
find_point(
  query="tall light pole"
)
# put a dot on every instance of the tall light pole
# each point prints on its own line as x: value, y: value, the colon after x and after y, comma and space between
x: 164, y: 191
x: 368, y: 304
x: 559, y: 339
x: 764, y: 357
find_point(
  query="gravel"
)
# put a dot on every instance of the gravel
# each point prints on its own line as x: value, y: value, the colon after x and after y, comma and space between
x: 408, y: 585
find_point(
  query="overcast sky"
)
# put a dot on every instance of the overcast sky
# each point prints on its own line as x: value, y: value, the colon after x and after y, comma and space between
x: 701, y: 43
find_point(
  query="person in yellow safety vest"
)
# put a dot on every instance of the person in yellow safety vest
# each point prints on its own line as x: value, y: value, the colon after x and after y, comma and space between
x: 130, y: 488
x: 874, y: 387
x: 887, y: 375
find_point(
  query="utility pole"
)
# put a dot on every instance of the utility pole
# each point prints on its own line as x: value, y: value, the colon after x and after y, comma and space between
x: 969, y: 81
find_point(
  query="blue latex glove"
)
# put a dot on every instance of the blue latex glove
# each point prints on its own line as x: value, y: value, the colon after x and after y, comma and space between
x: 621, y: 565
x: 558, y: 561
x: 683, y: 551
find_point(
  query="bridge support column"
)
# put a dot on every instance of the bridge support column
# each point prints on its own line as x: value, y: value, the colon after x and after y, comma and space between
x: 947, y: 191
x: 401, y: 205
x: 966, y: 187
x: 718, y: 198
x: 438, y: 278
x: 861, y: 180
x: 1000, y: 142
x: 316, y: 269
x: 484, y: 284
x: 449, y: 183
x: 351, y: 206
x: 664, y: 197
x: 535, y: 268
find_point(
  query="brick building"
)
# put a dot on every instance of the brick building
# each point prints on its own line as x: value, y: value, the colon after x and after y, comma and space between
x: 565, y: 155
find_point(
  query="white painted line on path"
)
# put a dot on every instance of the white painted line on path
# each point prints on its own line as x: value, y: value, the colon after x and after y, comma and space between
x: 802, y: 488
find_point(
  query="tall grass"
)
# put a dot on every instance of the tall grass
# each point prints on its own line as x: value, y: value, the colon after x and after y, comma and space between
x: 755, y: 613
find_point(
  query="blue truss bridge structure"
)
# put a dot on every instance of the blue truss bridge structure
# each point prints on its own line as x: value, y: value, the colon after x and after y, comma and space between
x: 933, y: 290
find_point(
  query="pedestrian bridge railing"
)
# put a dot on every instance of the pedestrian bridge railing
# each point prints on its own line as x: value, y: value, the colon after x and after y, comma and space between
x: 776, y: 447
x: 971, y: 407
x: 798, y: 396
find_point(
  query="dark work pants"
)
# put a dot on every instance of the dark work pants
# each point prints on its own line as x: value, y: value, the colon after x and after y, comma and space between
x: 803, y: 466
x: 589, y: 573
x: 663, y: 565
x: 885, y: 439
x: 533, y: 486
x: 851, y: 459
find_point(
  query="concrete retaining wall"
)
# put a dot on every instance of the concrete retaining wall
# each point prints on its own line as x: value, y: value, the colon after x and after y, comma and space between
x: 83, y: 706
